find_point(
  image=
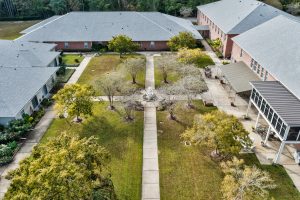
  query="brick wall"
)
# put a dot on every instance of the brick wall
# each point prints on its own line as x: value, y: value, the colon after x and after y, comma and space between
x: 73, y: 46
x: 144, y: 46
x: 215, y: 33
x: 155, y: 46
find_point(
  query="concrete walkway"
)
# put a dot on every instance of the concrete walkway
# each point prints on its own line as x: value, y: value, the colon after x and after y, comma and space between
x: 35, y: 136
x: 79, y: 70
x: 150, y: 177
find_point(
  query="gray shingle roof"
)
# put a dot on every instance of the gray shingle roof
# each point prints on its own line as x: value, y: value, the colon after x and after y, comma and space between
x: 239, y: 75
x: 102, y: 26
x: 19, y: 85
x: 238, y: 16
x: 275, y: 46
x: 281, y: 100
x: 26, y: 54
x: 31, y: 28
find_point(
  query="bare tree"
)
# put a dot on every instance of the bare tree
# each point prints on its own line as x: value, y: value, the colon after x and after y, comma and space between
x: 190, y: 86
x: 110, y: 85
x: 186, y: 11
x: 130, y: 104
x: 166, y: 65
x: 134, y: 66
x: 168, y: 101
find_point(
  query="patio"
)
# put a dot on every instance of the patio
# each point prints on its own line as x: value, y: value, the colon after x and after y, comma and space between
x: 222, y: 97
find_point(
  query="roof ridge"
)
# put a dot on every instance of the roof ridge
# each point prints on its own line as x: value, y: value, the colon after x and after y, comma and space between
x: 41, y: 26
x: 153, y: 22
x: 258, y: 5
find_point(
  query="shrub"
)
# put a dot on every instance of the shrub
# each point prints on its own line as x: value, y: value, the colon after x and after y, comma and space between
x: 19, y: 126
x: 37, y: 115
x: 6, y: 154
x: 6, y: 137
x: 194, y: 56
x: 183, y: 40
x: 47, y: 102
x: 76, y: 60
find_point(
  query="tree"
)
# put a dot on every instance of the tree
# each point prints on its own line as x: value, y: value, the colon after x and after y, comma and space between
x: 183, y: 40
x: 122, y: 44
x: 166, y: 65
x: 75, y: 100
x: 134, y: 66
x: 186, y: 11
x: 110, y: 85
x: 59, y: 7
x: 190, y: 86
x: 220, y: 131
x: 243, y: 182
x: 130, y: 104
x: 168, y: 102
x: 189, y: 56
x: 65, y: 167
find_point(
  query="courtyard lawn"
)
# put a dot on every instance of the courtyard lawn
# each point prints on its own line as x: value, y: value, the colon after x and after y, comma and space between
x: 187, y: 172
x: 101, y: 65
x: 122, y: 139
x: 72, y: 59
x: 10, y: 30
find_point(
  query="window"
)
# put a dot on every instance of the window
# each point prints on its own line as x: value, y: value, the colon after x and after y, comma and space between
x: 258, y: 69
x: 66, y: 44
x: 262, y: 72
x: 274, y: 120
x: 266, y: 75
x: 270, y: 115
x: 152, y: 44
x: 267, y: 110
x: 34, y: 102
x: 45, y: 90
x: 241, y: 53
x: 86, y: 45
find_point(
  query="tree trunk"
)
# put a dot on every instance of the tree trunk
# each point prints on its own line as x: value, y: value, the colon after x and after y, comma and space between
x: 133, y: 80
x: 111, y: 102
x: 165, y: 78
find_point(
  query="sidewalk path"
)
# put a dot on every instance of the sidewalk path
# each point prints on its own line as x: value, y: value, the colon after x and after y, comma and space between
x: 80, y: 69
x: 35, y: 136
x: 150, y: 177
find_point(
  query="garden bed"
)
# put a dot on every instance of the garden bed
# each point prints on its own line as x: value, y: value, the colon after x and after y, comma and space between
x: 64, y: 78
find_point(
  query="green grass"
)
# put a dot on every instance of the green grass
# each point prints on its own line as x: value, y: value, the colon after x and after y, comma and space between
x: 187, y: 172
x: 122, y: 139
x: 102, y: 65
x: 285, y: 188
x: 64, y: 78
x: 70, y: 59
x: 10, y: 30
